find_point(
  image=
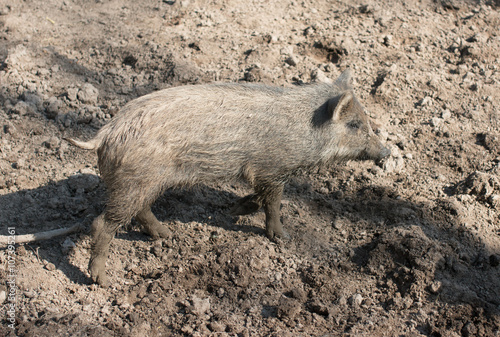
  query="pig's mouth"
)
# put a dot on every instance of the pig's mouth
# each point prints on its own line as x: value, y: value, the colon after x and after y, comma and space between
x: 376, y: 157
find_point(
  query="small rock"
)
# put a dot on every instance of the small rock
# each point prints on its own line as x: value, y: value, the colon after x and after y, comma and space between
x: 388, y: 40
x: 435, y: 287
x: 382, y: 134
x: 395, y: 163
x: 291, y: 60
x: 435, y: 121
x: 469, y: 330
x: 492, y: 142
x: 52, y: 143
x: 50, y: 266
x: 217, y: 327
x: 356, y: 300
x: 72, y: 94
x: 157, y: 251
x: 324, y: 190
x: 446, y: 114
x: 88, y: 94
x: 133, y: 317
x: 269, y: 38
x: 479, y: 37
x: 425, y: 101
x: 68, y: 244
x: 494, y: 200
x: 187, y: 72
x: 29, y: 294
x: 3, y: 296
x: 19, y: 58
x: 337, y: 224
x: 199, y: 306
x: 317, y: 75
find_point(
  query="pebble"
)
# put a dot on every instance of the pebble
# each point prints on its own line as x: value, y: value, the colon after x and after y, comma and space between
x: 50, y: 266
x: 356, y: 300
x: 395, y: 163
x: 217, y: 327
x: 425, y: 101
x: 199, y: 306
x: 435, y: 121
x: 52, y: 143
x: 68, y: 244
x: 317, y: 75
x: 72, y: 94
x: 291, y: 60
x: 388, y: 40
x: 29, y: 294
x: 446, y: 114
x: 88, y: 94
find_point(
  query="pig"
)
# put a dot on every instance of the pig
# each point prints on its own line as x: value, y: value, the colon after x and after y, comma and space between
x: 201, y: 134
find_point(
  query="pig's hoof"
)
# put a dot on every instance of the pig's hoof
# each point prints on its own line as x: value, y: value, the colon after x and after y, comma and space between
x: 101, y: 280
x: 157, y: 231
x: 244, y: 206
x: 278, y: 238
x: 98, y: 273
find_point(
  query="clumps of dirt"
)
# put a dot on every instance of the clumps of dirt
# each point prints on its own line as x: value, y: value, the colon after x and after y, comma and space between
x: 410, y: 246
x: 485, y: 186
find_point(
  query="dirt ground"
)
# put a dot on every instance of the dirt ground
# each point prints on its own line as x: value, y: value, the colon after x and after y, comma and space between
x: 407, y: 248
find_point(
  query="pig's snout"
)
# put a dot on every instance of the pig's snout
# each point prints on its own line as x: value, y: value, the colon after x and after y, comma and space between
x: 377, y: 151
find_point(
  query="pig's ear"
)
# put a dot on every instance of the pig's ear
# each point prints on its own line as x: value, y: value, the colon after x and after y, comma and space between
x: 344, y: 81
x: 340, y: 105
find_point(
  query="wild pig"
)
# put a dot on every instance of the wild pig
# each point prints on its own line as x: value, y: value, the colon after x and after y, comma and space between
x: 220, y: 132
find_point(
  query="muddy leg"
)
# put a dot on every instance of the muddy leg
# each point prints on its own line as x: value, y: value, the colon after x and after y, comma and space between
x: 103, y: 232
x: 151, y: 225
x: 271, y: 200
x: 246, y: 205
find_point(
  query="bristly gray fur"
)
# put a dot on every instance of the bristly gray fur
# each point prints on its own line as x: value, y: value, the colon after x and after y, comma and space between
x: 220, y: 132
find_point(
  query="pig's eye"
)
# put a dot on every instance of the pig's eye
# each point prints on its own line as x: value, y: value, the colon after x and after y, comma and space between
x: 354, y: 125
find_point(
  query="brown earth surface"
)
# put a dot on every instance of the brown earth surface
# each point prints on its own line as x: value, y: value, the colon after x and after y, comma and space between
x: 407, y: 248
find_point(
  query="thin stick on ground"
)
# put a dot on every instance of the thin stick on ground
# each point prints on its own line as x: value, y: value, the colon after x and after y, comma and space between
x: 4, y: 240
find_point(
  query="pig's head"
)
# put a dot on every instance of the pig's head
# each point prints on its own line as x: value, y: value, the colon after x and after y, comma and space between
x: 348, y: 128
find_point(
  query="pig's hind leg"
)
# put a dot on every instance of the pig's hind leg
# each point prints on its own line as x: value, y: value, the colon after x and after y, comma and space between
x: 151, y: 225
x: 103, y: 231
x: 246, y: 205
x: 126, y: 200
